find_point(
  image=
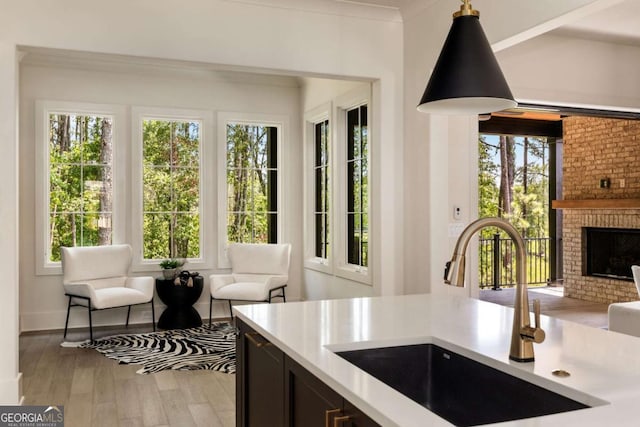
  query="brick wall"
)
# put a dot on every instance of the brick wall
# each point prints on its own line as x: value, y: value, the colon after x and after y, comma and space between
x: 595, y: 149
x: 601, y: 148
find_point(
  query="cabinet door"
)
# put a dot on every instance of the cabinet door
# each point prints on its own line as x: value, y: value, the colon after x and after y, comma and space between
x: 308, y: 401
x: 259, y: 381
x: 354, y: 417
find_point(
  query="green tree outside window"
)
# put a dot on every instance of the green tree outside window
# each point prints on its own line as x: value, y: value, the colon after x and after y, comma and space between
x: 171, y: 189
x: 252, y: 183
x: 80, y: 152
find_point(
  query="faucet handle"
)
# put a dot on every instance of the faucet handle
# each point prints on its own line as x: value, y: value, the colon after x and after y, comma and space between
x: 536, y: 312
x: 535, y: 334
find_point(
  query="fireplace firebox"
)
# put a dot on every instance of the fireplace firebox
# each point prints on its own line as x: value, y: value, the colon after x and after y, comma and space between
x: 610, y: 252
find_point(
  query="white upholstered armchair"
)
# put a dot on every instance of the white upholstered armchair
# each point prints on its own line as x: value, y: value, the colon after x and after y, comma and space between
x: 96, y: 277
x: 259, y: 272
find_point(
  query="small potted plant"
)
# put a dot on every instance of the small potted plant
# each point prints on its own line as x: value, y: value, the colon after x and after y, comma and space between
x: 171, y: 267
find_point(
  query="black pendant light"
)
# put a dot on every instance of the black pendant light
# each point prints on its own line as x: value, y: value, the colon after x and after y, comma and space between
x: 467, y: 78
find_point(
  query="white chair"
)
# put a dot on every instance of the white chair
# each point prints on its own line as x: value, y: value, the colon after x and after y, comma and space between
x: 96, y: 277
x: 259, y: 272
x: 624, y: 317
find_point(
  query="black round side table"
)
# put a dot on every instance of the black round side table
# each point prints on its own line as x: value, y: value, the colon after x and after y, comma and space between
x: 179, y: 299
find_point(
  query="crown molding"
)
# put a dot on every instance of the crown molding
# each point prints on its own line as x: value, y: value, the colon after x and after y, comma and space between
x: 379, y: 10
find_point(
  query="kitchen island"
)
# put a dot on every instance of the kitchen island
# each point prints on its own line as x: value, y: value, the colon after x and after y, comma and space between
x: 604, y: 367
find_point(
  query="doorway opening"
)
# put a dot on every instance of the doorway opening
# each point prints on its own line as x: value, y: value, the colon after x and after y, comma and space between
x: 520, y: 172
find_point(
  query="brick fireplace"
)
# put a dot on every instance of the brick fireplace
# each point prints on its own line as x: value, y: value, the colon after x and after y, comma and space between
x: 597, y: 149
x: 597, y: 289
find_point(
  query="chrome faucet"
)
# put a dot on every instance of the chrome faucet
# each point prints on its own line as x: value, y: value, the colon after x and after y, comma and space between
x: 523, y: 335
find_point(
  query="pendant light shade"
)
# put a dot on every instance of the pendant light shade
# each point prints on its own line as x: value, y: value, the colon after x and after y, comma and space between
x: 467, y: 78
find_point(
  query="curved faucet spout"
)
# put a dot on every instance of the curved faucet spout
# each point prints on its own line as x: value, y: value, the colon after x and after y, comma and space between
x: 523, y: 335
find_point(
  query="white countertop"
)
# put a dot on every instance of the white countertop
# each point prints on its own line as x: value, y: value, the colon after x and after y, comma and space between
x: 604, y: 366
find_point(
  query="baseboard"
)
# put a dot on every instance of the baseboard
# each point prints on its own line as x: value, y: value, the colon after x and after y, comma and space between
x: 11, y: 391
x: 78, y: 318
x: 109, y: 319
x: 140, y: 315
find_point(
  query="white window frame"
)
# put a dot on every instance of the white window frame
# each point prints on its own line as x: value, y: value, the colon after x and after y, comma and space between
x: 118, y: 131
x: 281, y: 122
x: 207, y: 175
x: 343, y: 104
x: 311, y: 119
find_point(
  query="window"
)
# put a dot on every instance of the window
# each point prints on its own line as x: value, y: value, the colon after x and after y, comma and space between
x: 321, y: 189
x: 250, y: 179
x: 80, y: 157
x: 171, y: 188
x: 337, y: 192
x: 78, y: 201
x: 170, y: 164
x: 357, y: 187
x: 252, y: 183
x: 318, y: 195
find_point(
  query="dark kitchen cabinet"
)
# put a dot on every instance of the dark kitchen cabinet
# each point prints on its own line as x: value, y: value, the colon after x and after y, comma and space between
x: 259, y: 380
x: 355, y: 417
x: 274, y: 390
x: 308, y: 401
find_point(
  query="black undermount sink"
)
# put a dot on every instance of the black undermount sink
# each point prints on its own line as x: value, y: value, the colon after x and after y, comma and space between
x: 456, y: 388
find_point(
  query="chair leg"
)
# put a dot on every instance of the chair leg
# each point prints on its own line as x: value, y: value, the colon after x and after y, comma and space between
x: 128, y: 313
x: 90, y: 321
x: 210, y: 309
x: 66, y: 323
x: 153, y: 315
x: 284, y: 298
x: 230, y: 310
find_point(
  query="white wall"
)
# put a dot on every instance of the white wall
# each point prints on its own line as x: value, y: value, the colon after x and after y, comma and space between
x: 427, y: 157
x: 204, y: 31
x: 43, y: 304
x: 10, y: 378
x: 317, y: 91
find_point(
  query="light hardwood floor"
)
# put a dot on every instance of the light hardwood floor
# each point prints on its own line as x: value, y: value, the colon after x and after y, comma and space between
x: 97, y: 391
x: 554, y: 304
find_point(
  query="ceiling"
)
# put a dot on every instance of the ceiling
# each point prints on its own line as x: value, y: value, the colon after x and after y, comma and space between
x: 395, y: 4
x: 617, y: 24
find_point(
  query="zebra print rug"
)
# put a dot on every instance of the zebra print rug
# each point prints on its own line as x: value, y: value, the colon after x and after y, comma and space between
x: 179, y: 349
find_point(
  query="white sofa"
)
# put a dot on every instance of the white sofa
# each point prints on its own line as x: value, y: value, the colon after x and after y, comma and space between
x: 624, y: 317
x: 97, y: 277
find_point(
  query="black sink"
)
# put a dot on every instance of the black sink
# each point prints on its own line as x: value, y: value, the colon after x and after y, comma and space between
x: 458, y: 389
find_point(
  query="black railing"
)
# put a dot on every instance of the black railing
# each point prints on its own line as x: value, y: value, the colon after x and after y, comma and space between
x: 498, y: 261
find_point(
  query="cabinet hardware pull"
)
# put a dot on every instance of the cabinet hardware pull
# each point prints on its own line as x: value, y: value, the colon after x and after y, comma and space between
x: 253, y: 337
x: 338, y: 421
x: 327, y: 416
